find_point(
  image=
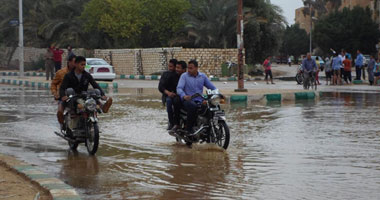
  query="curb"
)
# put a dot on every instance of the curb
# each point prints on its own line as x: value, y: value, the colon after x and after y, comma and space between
x: 57, y: 188
x: 274, y: 98
x: 46, y: 86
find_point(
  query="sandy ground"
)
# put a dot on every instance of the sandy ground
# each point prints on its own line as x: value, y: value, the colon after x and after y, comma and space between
x: 14, y: 186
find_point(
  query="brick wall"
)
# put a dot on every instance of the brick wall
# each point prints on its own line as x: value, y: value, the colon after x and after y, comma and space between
x: 148, y: 61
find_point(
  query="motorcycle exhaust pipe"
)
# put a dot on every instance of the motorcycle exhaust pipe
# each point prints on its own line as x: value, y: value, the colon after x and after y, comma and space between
x: 64, y: 137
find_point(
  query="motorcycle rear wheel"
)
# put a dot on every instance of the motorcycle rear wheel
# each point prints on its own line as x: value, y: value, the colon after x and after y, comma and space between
x: 92, y: 138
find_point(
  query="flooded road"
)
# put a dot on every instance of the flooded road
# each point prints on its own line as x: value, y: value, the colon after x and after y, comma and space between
x: 329, y: 149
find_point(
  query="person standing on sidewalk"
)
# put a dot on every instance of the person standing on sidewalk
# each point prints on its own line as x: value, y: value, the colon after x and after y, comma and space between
x: 49, y: 64
x: 58, y: 58
x: 69, y: 51
x: 318, y: 69
x: 347, y: 70
x: 370, y: 69
x: 336, y: 65
x: 359, y: 62
x: 268, y: 70
x: 289, y: 61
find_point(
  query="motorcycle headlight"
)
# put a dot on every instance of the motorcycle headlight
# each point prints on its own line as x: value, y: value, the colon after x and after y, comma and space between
x: 90, y: 104
x: 215, y: 100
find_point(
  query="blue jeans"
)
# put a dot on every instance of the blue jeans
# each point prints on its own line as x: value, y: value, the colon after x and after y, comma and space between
x: 173, y: 107
x: 191, y: 109
x: 358, y: 72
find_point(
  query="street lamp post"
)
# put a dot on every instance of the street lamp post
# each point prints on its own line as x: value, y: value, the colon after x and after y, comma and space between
x: 311, y: 28
x: 240, y: 46
x: 21, y: 39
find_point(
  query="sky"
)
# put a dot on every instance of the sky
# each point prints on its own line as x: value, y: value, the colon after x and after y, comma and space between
x: 289, y: 7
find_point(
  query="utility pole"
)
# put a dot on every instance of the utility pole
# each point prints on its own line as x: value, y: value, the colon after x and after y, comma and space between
x: 311, y: 28
x: 240, y: 46
x: 21, y: 39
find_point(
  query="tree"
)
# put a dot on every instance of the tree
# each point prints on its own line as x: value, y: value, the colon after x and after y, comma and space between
x: 144, y: 23
x: 349, y: 29
x: 211, y: 24
x: 264, y: 24
x: 295, y: 41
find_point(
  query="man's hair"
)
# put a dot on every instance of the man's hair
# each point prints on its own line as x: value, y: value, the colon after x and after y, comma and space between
x: 183, y: 64
x: 194, y: 62
x: 173, y: 61
x: 79, y: 59
x: 72, y: 57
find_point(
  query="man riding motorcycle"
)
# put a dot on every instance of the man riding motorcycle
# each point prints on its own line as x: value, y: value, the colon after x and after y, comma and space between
x: 78, y: 79
x: 190, y: 83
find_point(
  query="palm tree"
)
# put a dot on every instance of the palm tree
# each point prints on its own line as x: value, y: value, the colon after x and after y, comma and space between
x: 211, y: 24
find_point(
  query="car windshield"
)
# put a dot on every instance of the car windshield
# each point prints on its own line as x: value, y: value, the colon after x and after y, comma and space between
x: 97, y: 62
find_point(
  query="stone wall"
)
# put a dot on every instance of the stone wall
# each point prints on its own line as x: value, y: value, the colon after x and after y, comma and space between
x: 147, y: 61
x: 155, y: 60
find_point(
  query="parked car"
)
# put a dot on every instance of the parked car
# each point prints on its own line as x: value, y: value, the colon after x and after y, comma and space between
x: 367, y: 58
x: 100, y: 69
x: 321, y: 61
x: 281, y: 60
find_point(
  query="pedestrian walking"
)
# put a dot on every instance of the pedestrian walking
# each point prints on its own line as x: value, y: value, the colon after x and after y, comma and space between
x: 58, y: 58
x: 347, y: 70
x: 359, y: 62
x: 268, y: 70
x: 289, y: 61
x: 49, y: 64
x: 328, y: 70
x: 370, y: 70
x: 377, y: 72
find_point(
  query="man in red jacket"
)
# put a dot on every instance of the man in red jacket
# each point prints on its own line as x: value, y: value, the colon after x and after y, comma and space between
x: 57, y: 58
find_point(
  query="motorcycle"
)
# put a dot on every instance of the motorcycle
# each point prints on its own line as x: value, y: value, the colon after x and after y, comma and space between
x: 299, y: 76
x: 80, y: 120
x: 210, y: 126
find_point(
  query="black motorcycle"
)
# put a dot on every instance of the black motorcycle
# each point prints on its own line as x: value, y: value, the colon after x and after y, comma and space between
x: 81, y: 122
x: 210, y: 127
x: 299, y: 75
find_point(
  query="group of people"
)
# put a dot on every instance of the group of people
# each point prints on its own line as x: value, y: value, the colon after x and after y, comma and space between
x: 338, y: 68
x: 178, y: 85
x: 53, y: 60
x: 74, y: 76
x: 342, y: 64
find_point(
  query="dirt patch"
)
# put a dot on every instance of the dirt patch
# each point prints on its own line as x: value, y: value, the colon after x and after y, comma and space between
x: 15, y: 186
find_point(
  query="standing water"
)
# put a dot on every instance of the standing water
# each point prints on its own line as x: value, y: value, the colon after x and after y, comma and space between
x: 310, y: 150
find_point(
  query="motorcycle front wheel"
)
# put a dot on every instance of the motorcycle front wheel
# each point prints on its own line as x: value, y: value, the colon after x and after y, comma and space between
x: 222, y: 134
x: 299, y: 79
x: 92, y: 138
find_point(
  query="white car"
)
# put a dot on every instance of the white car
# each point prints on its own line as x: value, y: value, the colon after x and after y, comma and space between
x: 100, y: 69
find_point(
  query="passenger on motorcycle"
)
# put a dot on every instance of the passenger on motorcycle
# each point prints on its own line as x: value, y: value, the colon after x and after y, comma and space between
x: 167, y: 86
x: 56, y: 84
x: 190, y: 83
x: 309, y: 68
x: 78, y: 79
x: 180, y: 68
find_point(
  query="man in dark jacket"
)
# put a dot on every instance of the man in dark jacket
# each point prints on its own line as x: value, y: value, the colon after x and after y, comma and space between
x: 167, y: 86
x: 78, y: 79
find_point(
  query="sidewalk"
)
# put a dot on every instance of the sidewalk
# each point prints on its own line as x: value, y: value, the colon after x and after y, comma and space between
x: 21, y: 181
x: 16, y: 186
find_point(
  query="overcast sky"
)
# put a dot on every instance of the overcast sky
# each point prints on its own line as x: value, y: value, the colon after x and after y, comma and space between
x: 289, y: 7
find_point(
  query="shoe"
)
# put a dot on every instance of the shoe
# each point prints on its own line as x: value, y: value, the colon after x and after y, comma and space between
x: 273, y: 83
x: 174, y: 129
x: 170, y: 126
x: 63, y: 127
x: 107, y: 105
